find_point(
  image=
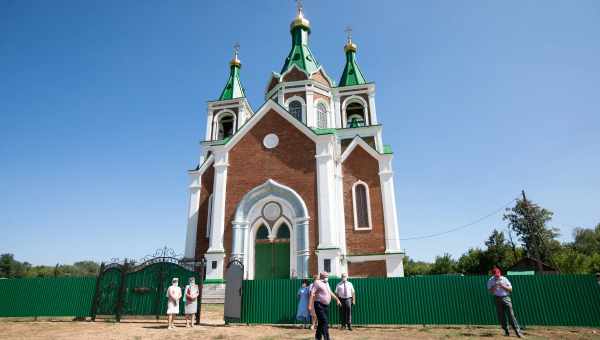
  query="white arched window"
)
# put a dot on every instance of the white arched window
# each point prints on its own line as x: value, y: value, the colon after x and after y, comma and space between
x: 295, y: 108
x: 362, y: 206
x: 209, y: 215
x: 224, y: 125
x: 322, y: 119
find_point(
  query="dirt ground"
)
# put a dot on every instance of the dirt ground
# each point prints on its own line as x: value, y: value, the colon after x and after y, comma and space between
x: 212, y: 327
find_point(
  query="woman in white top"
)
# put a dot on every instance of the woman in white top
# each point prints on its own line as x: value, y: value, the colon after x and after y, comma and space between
x: 191, y: 301
x: 173, y: 296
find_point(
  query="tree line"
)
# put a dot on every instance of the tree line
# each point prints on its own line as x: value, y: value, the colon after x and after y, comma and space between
x: 528, y: 234
x: 11, y: 268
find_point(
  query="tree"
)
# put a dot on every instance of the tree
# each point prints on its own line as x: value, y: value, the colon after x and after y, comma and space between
x: 471, y: 262
x: 498, y: 253
x: 587, y: 241
x: 11, y: 268
x: 529, y: 221
x: 443, y: 265
x: 412, y: 267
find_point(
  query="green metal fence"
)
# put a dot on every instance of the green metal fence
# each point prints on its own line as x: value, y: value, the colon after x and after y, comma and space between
x: 62, y: 296
x: 557, y: 300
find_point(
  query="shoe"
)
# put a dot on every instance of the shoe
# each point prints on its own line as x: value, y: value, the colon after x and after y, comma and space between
x: 349, y: 327
x: 506, y: 333
x: 519, y: 335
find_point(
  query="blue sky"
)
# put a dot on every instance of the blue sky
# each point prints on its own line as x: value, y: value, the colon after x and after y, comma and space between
x: 103, y: 103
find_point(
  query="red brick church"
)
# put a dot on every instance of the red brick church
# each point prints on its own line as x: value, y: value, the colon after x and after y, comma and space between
x: 303, y: 184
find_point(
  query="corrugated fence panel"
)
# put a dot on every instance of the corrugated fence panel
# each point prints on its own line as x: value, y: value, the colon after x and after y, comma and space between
x: 565, y: 300
x: 65, y: 296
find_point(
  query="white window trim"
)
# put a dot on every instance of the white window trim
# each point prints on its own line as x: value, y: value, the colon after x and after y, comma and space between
x: 356, y: 227
x: 327, y: 111
x: 359, y: 100
x: 303, y: 105
x: 217, y: 118
x: 209, y: 216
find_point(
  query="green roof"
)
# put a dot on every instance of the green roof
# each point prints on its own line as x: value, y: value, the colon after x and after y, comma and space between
x: 387, y: 149
x: 233, y: 88
x: 300, y: 54
x: 352, y: 74
x: 320, y: 131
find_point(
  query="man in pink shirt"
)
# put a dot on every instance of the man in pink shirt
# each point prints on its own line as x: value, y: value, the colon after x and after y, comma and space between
x: 320, y: 297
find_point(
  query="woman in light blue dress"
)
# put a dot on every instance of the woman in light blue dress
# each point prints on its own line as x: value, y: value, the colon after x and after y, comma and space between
x: 303, y: 294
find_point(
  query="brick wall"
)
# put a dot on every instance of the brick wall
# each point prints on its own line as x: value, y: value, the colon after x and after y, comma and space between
x: 366, y: 269
x: 361, y: 166
x: 291, y: 163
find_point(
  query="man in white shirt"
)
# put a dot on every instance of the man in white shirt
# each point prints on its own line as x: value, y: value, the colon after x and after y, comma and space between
x: 345, y: 292
x: 501, y: 288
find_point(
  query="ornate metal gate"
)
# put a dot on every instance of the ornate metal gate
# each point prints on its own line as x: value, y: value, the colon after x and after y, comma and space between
x: 127, y: 288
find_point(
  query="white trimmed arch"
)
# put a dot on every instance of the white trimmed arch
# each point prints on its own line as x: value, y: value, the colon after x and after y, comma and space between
x: 299, y: 99
x: 217, y: 119
x: 355, y: 99
x: 368, y: 203
x: 329, y: 118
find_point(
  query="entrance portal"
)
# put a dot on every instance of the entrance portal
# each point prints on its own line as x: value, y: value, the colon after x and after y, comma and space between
x: 272, y: 254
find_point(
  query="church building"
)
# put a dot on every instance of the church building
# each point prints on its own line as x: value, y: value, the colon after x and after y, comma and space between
x: 303, y: 184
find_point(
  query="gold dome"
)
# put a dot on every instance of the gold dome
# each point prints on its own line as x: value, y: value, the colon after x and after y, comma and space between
x: 300, y: 21
x: 350, y: 46
x: 235, y: 62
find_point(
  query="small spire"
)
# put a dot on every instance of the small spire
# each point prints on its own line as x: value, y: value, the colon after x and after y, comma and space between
x: 236, y: 51
x: 299, y: 7
x: 350, y: 46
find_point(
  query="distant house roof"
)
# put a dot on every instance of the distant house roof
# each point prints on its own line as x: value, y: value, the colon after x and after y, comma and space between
x: 531, y: 264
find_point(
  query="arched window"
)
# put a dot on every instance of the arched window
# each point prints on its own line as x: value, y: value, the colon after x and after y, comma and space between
x: 296, y: 109
x: 225, y: 126
x: 355, y: 115
x: 209, y: 216
x: 262, y: 233
x: 362, y: 206
x: 321, y: 116
x: 283, y: 232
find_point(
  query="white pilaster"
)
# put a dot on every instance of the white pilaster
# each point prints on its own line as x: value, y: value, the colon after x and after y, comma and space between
x: 216, y: 251
x: 310, y: 110
x: 372, y: 108
x: 329, y: 245
x: 280, y: 97
x: 193, y: 209
x: 337, y: 112
x: 209, y: 125
x: 241, y: 117
x: 388, y: 196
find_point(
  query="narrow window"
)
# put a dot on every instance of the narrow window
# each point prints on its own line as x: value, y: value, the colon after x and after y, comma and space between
x: 355, y: 115
x: 226, y: 125
x: 321, y: 116
x: 327, y: 265
x: 262, y: 233
x: 209, y: 216
x: 296, y: 109
x: 362, y: 209
x: 283, y: 232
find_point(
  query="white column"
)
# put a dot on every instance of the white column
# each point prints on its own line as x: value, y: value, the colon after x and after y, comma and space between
x: 339, y: 184
x: 337, y: 111
x: 302, y: 249
x: 209, y: 125
x: 310, y: 110
x: 193, y: 209
x: 280, y: 96
x: 241, y: 117
x: 372, y: 108
x: 328, y: 248
x: 393, y: 251
x: 216, y: 251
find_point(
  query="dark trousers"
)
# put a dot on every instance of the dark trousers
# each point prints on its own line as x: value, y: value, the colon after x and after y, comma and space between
x: 322, y: 312
x: 346, y: 312
x: 503, y: 307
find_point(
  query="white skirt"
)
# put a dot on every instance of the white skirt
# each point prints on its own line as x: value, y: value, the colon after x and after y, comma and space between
x: 191, y: 307
x: 172, y: 307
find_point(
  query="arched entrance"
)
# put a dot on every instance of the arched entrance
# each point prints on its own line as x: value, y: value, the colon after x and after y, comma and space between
x: 270, y: 233
x: 272, y: 253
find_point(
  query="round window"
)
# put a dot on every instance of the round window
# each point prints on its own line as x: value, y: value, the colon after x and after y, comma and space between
x: 270, y: 141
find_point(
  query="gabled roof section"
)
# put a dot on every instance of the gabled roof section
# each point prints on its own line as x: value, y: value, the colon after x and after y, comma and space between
x: 359, y: 142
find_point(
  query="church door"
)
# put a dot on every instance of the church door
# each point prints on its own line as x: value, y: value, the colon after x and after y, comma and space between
x: 272, y: 257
